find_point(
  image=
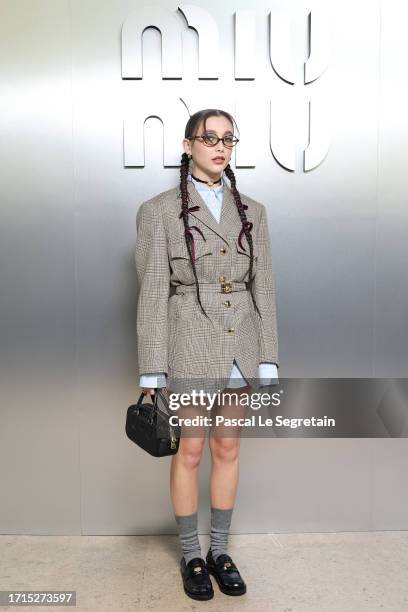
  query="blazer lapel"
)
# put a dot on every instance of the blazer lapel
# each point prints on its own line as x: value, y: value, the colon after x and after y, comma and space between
x: 230, y: 221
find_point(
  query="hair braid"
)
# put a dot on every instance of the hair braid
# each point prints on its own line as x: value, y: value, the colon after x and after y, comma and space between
x: 184, y: 169
x: 246, y: 226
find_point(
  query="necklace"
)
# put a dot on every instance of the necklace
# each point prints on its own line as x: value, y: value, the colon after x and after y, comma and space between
x: 209, y: 183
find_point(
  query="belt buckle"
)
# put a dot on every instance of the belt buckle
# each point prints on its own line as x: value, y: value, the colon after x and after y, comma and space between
x: 226, y: 287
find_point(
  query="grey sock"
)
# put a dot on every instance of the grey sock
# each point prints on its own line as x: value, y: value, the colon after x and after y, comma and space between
x: 220, y: 526
x: 188, y: 534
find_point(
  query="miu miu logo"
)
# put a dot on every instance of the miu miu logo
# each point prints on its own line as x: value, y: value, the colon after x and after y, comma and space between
x: 295, y: 101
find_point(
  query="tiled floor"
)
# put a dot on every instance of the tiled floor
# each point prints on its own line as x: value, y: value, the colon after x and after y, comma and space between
x: 284, y: 572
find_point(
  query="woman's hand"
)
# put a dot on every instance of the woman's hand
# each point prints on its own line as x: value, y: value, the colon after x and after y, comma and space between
x: 148, y: 390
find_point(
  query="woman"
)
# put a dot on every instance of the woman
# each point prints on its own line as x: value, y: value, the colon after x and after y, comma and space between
x: 207, y: 240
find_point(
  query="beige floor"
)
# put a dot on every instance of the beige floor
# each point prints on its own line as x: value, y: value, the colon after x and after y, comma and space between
x: 284, y: 572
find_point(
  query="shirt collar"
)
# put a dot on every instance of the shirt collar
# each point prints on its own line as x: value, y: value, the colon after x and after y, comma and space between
x: 204, y: 188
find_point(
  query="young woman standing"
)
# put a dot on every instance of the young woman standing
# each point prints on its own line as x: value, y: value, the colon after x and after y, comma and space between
x: 210, y: 243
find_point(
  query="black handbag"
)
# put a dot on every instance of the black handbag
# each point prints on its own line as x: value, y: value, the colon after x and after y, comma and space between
x: 147, y: 425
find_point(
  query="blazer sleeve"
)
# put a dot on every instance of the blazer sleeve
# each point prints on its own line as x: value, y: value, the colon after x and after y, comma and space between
x: 153, y: 273
x: 264, y: 293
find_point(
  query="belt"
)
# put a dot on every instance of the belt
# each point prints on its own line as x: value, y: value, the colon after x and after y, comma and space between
x: 226, y: 287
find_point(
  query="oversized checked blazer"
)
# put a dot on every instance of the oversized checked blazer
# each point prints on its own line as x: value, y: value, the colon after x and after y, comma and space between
x: 173, y: 334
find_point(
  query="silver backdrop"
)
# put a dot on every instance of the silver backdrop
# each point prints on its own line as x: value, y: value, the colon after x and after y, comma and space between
x: 68, y: 286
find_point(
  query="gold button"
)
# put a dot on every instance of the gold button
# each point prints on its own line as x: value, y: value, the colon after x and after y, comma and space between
x: 223, y: 251
x: 221, y: 279
x: 230, y: 330
x: 227, y: 303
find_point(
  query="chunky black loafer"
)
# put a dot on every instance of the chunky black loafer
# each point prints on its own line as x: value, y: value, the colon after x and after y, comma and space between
x: 226, y: 574
x: 196, y: 579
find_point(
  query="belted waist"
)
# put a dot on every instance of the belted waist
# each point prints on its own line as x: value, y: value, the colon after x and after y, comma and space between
x: 226, y: 287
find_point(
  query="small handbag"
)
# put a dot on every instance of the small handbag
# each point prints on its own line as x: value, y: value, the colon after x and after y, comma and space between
x: 147, y: 425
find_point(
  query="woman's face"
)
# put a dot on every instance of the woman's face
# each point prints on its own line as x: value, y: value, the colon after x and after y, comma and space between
x: 204, y: 165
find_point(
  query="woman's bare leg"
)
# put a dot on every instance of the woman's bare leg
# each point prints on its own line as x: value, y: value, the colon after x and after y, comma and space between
x: 224, y: 443
x: 184, y: 475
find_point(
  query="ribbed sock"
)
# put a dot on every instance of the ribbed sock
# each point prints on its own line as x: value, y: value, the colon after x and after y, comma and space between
x: 188, y: 534
x: 220, y: 526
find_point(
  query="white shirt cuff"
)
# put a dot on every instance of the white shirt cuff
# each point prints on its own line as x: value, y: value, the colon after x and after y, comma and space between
x: 153, y: 381
x: 268, y: 373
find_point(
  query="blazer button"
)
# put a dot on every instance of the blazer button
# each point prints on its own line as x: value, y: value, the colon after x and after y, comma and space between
x: 230, y: 330
x: 223, y: 251
x: 222, y: 279
x: 227, y: 303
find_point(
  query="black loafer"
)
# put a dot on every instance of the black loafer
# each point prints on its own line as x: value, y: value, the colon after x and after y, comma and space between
x: 196, y: 579
x: 226, y: 574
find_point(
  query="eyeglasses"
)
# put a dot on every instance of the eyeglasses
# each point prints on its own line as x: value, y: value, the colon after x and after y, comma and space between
x: 210, y: 140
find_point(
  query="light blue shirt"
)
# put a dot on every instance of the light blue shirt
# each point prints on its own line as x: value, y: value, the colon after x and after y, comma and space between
x: 212, y: 196
x: 268, y: 372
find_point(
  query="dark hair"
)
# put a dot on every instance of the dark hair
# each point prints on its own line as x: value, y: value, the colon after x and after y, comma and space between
x: 190, y: 130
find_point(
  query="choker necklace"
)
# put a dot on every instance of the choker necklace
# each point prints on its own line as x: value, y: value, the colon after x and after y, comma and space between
x: 209, y: 183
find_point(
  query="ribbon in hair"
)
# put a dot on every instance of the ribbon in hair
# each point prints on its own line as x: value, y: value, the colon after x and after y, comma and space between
x: 246, y: 225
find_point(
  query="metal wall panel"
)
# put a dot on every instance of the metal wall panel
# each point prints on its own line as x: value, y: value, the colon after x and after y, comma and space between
x: 39, y: 433
x: 68, y: 284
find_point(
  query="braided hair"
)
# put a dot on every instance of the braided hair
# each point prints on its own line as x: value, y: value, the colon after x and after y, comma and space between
x: 191, y: 126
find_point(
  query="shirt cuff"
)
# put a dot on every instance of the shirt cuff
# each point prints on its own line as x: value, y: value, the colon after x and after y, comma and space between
x: 153, y: 381
x: 268, y: 374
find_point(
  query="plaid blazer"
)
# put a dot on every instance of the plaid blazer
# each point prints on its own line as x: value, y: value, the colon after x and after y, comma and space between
x: 173, y: 334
